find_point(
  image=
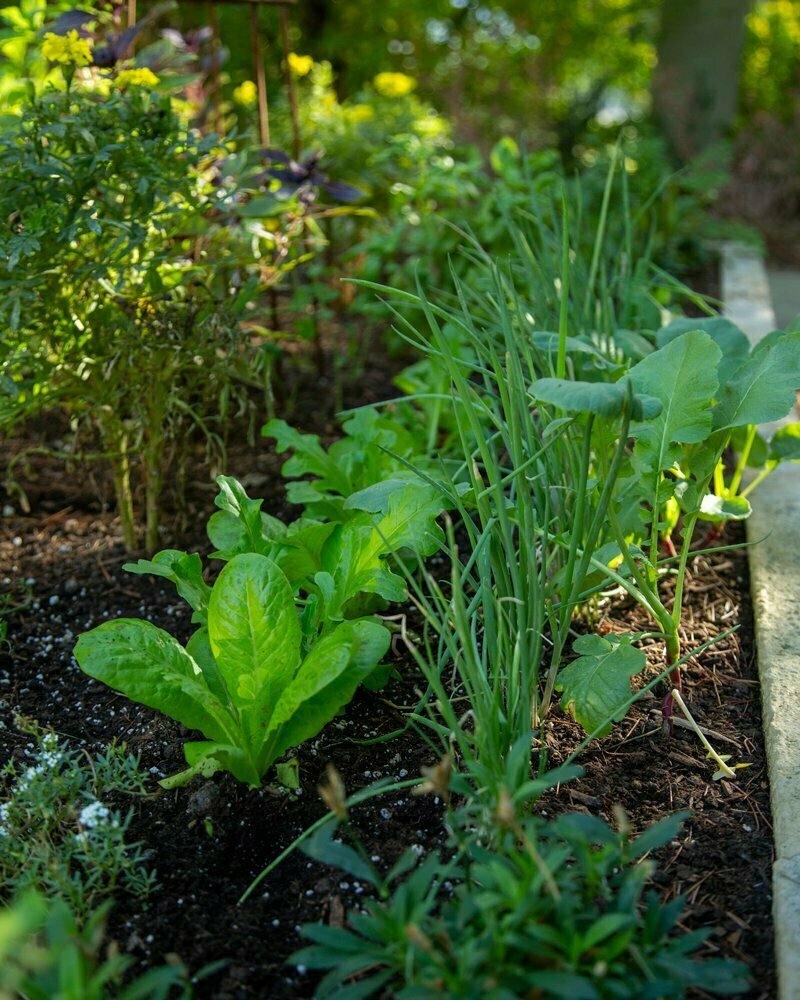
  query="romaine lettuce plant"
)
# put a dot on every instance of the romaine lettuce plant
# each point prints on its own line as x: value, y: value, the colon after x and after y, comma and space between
x: 243, y: 679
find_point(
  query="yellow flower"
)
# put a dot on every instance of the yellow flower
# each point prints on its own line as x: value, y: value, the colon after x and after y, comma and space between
x: 394, y: 84
x: 358, y: 113
x: 300, y: 65
x: 141, y: 77
x: 69, y: 48
x: 246, y: 94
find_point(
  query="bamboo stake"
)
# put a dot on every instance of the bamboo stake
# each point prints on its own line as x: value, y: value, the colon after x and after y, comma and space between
x: 131, y: 23
x: 215, y: 74
x: 261, y: 79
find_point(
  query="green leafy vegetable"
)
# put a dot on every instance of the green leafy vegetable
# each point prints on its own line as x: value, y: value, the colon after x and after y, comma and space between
x: 242, y: 681
x: 763, y: 387
x: 603, y: 399
x: 596, y: 686
x: 185, y: 571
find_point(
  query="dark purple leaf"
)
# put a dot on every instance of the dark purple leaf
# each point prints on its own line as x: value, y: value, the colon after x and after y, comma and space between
x: 275, y: 156
x: 342, y: 191
x: 73, y: 20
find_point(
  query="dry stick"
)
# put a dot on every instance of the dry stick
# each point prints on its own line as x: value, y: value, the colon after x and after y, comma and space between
x: 131, y: 23
x: 261, y: 79
x: 290, y: 82
x: 215, y: 76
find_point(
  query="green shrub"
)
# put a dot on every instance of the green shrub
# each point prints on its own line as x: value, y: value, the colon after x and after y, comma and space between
x: 521, y: 907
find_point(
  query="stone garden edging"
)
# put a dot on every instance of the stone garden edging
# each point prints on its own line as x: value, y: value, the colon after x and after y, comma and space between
x: 775, y: 583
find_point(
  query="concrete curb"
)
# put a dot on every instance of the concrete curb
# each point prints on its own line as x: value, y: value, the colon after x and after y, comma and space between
x: 775, y: 582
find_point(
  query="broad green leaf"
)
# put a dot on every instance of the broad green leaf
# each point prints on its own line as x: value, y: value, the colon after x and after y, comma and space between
x: 230, y: 536
x: 596, y: 686
x: 714, y: 508
x: 150, y: 667
x: 299, y: 554
x: 763, y: 388
x: 633, y: 344
x: 255, y: 638
x: 199, y: 648
x: 371, y: 451
x: 375, y: 498
x: 726, y: 335
x: 309, y: 456
x: 603, y: 399
x: 794, y: 325
x: 357, y: 559
x: 288, y: 773
x: 409, y: 523
x: 207, y: 757
x: 183, y: 569
x: 683, y: 376
x: 785, y: 444
x: 326, y: 681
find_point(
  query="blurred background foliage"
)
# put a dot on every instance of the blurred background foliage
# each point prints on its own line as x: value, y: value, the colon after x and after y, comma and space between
x: 546, y: 69
x: 399, y: 133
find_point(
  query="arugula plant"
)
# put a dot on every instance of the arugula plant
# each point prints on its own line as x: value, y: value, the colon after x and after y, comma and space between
x: 244, y: 679
x: 364, y: 466
x: 728, y: 499
x: 339, y: 569
x: 710, y: 385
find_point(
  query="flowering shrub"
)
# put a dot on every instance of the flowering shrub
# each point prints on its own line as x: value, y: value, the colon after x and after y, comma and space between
x: 300, y: 65
x: 394, y: 84
x: 139, y: 77
x: 69, y: 49
x: 108, y: 288
x: 59, y: 829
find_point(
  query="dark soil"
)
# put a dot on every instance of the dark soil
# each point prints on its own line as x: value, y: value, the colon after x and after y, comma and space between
x: 208, y: 841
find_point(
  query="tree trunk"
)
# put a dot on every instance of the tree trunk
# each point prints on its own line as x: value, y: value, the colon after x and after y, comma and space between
x: 696, y: 83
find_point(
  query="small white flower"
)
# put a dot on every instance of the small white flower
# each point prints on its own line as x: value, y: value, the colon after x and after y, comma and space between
x: 93, y: 815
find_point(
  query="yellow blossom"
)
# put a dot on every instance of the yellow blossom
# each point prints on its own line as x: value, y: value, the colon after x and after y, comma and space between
x: 300, y: 65
x: 358, y: 113
x: 69, y: 48
x: 246, y: 94
x: 140, y: 77
x: 394, y: 84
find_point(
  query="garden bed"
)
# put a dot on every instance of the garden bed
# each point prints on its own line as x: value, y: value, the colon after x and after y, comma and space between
x: 210, y: 840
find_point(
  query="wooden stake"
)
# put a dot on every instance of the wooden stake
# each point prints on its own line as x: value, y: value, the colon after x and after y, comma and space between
x: 261, y: 79
x: 131, y: 23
